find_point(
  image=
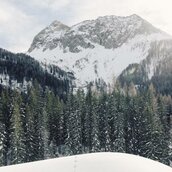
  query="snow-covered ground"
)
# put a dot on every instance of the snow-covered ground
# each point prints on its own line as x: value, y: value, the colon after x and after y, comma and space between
x: 95, y: 162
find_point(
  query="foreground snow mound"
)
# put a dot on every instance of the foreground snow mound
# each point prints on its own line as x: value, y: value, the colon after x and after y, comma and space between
x: 95, y: 162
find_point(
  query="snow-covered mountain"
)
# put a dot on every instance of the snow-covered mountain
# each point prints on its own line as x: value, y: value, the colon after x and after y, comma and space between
x: 96, y: 162
x: 101, y: 48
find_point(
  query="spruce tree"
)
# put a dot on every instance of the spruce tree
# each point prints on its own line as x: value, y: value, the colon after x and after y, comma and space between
x: 45, y: 134
x: 103, y: 124
x: 2, y: 131
x: 73, y: 141
x: 17, y: 147
x: 88, y: 118
x: 119, y: 142
x: 95, y: 143
x: 29, y: 135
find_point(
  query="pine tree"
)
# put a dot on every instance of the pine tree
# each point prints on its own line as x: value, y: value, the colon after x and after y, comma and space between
x: 132, y: 124
x: 152, y: 142
x: 112, y: 118
x: 95, y: 143
x: 56, y: 126
x: 105, y: 141
x: 165, y: 135
x: 2, y: 132
x: 29, y: 142
x: 83, y: 110
x: 45, y: 134
x: 119, y: 143
x: 88, y: 119
x: 156, y: 125
x: 33, y: 134
x: 7, y: 121
x: 17, y: 134
x: 73, y: 140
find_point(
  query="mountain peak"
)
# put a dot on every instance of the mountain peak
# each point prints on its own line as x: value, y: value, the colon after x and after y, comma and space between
x: 114, y: 17
x: 109, y: 31
x: 54, y: 30
x: 97, y: 49
x: 56, y: 22
x: 57, y: 25
x: 134, y: 15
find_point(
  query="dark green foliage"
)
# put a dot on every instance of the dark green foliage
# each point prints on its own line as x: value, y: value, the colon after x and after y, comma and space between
x: 73, y: 140
x: 2, y: 132
x: 38, y: 124
x: 17, y: 137
x: 162, y: 80
x: 21, y: 68
x: 133, y: 73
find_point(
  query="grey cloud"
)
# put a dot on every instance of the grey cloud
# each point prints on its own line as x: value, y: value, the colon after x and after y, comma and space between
x: 21, y: 20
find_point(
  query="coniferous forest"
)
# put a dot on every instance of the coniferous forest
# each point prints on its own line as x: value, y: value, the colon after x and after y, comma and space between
x: 38, y: 124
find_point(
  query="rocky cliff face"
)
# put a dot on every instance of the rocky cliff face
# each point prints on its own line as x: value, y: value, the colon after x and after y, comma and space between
x: 48, y: 37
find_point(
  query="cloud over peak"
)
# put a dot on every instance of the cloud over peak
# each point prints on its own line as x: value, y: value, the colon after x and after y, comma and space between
x: 21, y: 20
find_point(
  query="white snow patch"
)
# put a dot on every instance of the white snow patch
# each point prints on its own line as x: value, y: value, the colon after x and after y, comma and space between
x: 96, y: 162
x: 6, y: 81
x: 99, y: 62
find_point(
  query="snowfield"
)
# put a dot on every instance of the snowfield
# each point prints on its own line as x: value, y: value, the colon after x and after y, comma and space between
x: 91, y: 64
x: 95, y: 162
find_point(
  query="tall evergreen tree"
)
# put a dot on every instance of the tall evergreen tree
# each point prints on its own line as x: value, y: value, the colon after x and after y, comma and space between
x: 2, y: 132
x: 95, y: 143
x: 73, y: 140
x: 88, y: 118
x: 119, y: 143
x: 29, y: 142
x: 105, y: 141
x: 17, y: 147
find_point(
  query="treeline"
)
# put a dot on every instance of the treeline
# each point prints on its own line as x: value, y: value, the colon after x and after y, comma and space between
x: 39, y: 125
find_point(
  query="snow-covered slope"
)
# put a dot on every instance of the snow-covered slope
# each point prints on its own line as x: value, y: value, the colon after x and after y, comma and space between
x: 97, y: 162
x: 94, y: 49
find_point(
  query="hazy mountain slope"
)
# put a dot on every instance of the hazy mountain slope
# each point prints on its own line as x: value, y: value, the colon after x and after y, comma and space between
x: 102, y: 162
x: 97, y: 49
x: 155, y: 68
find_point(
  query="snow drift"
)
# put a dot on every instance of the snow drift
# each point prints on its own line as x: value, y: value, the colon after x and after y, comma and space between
x: 95, y: 162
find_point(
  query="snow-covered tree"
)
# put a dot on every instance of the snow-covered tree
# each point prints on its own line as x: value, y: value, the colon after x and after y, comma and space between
x: 17, y: 146
x: 73, y: 140
x: 2, y: 131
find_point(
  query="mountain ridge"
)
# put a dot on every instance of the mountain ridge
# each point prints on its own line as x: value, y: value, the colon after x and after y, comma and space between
x: 99, y: 22
x: 98, y: 49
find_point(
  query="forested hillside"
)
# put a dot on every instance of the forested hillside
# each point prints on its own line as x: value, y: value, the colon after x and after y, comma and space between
x: 18, y: 71
x: 156, y: 69
x: 38, y: 124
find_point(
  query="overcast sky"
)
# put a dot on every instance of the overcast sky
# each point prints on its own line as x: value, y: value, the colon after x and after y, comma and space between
x: 21, y: 20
